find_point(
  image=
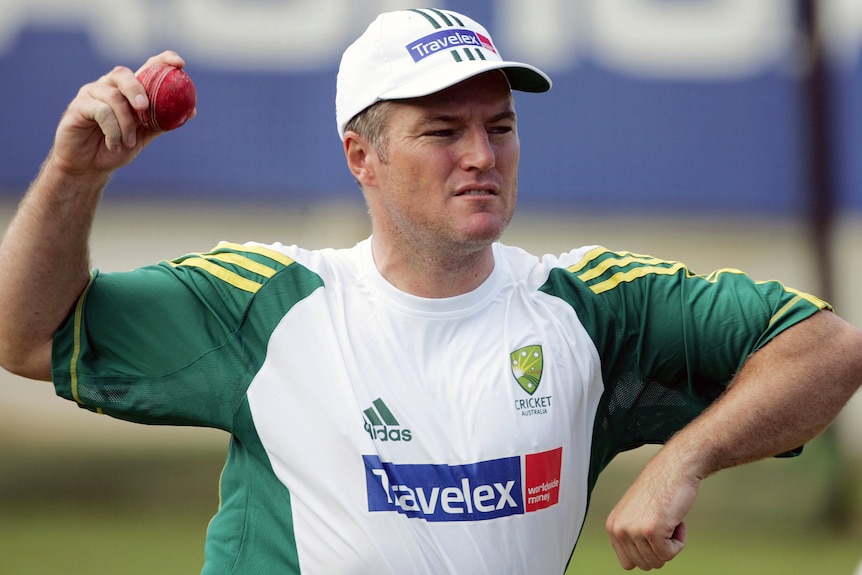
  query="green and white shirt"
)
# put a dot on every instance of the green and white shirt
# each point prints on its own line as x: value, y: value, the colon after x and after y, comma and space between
x: 373, y: 431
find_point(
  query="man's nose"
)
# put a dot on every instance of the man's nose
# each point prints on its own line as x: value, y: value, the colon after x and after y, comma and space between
x: 478, y: 153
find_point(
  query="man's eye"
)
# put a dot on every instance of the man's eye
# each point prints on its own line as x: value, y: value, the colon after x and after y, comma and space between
x: 445, y: 133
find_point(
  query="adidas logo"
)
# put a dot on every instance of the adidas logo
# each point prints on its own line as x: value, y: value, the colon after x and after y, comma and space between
x: 381, y: 425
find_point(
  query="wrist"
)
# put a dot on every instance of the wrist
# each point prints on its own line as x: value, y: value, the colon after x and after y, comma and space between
x: 66, y: 183
x: 690, y: 454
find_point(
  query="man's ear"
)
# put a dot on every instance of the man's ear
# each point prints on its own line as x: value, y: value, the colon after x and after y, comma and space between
x: 362, y: 158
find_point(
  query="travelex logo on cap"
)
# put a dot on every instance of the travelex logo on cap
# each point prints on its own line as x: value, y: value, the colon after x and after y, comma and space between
x: 446, y: 40
x: 414, y: 53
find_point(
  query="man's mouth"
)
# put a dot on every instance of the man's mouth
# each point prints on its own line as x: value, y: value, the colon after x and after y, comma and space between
x: 476, y: 193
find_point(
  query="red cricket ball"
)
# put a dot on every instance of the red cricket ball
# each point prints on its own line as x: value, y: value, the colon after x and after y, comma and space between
x: 172, y: 97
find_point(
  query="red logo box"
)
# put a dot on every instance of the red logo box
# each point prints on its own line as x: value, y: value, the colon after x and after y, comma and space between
x: 542, y: 481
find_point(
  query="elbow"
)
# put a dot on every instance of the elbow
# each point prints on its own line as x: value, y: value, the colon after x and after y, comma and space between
x: 31, y: 363
x: 848, y: 346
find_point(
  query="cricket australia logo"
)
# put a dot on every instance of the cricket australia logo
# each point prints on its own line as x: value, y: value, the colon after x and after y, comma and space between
x: 381, y: 425
x: 527, y: 367
x: 527, y: 363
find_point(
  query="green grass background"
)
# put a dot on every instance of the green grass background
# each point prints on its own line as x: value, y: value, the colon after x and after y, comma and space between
x: 146, y: 513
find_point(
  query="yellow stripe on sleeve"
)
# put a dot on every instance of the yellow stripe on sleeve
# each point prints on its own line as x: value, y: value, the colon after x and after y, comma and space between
x: 221, y: 273
x: 713, y: 276
x: 783, y: 310
x: 799, y: 296
x: 813, y: 300
x: 588, y: 257
x: 620, y: 262
x: 245, y: 263
x: 623, y: 277
x: 260, y: 250
x: 228, y: 253
x: 76, y: 340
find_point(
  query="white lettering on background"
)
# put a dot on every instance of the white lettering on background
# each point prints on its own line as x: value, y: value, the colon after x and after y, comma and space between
x: 693, y: 38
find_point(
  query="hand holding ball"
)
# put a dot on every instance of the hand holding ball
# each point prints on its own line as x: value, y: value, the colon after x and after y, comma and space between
x: 172, y: 97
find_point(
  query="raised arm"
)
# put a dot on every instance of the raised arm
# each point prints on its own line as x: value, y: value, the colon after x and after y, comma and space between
x: 787, y: 393
x: 45, y: 251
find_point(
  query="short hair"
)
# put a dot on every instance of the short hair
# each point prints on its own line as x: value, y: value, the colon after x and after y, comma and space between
x: 372, y: 123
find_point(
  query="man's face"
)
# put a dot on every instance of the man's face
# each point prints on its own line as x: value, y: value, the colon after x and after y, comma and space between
x: 449, y: 178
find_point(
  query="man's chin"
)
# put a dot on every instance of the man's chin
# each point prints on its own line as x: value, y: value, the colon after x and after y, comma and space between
x: 489, y: 225
x: 487, y: 233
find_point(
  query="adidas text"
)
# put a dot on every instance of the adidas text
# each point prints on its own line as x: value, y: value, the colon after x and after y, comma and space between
x: 384, y: 433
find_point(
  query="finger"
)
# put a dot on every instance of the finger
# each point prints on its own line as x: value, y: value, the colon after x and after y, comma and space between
x: 680, y: 534
x: 104, y: 116
x: 674, y: 545
x: 629, y: 552
x: 626, y: 562
x: 640, y: 555
x: 648, y: 554
x: 112, y: 103
x: 656, y: 551
x: 648, y: 550
x: 167, y: 57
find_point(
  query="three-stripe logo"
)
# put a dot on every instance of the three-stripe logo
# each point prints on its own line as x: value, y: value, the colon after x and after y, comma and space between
x: 381, y: 424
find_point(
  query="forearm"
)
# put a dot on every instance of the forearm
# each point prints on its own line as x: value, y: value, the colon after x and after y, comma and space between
x: 46, y: 266
x: 786, y: 394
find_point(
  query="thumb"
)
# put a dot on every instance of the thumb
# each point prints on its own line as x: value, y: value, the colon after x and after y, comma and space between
x: 677, y: 540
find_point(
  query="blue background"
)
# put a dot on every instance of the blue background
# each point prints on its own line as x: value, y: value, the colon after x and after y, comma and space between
x: 600, y: 140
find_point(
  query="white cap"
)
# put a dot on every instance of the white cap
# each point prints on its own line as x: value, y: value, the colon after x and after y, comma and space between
x: 413, y: 53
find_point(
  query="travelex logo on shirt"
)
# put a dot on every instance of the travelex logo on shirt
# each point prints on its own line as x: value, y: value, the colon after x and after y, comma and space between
x: 447, y: 40
x: 471, y: 492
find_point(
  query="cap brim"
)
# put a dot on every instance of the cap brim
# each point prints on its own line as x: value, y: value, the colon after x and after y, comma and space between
x: 522, y: 77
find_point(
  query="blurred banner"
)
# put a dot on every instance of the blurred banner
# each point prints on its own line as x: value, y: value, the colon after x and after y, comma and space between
x: 658, y: 105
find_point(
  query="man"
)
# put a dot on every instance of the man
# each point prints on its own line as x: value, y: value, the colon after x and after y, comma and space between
x: 429, y: 401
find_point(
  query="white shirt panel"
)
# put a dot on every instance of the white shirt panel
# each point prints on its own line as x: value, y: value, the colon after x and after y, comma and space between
x: 442, y: 369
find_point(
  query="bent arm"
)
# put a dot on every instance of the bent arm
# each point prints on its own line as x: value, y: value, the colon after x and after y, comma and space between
x: 46, y: 266
x: 45, y: 248
x: 785, y: 394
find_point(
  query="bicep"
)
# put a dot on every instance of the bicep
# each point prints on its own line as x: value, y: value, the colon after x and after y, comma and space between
x: 820, y: 357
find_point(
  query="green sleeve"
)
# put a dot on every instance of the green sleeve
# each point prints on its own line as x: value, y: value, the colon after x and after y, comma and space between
x: 670, y: 341
x: 178, y: 342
